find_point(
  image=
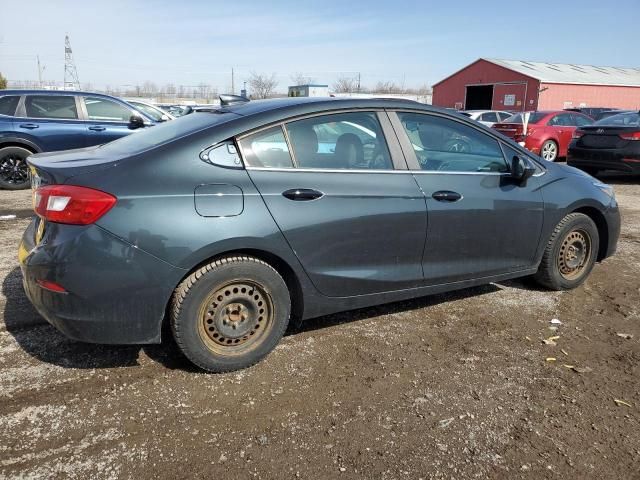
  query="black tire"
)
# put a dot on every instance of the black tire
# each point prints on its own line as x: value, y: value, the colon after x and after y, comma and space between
x: 570, y: 253
x: 230, y: 314
x: 14, y: 171
x: 549, y: 151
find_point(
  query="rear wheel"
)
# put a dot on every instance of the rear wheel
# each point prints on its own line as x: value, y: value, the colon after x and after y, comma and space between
x: 230, y: 313
x: 14, y: 171
x: 570, y: 253
x: 549, y: 151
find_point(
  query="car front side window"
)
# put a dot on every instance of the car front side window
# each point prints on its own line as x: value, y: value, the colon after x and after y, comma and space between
x: 351, y: 141
x: 103, y: 110
x: 442, y: 144
x: 51, y: 106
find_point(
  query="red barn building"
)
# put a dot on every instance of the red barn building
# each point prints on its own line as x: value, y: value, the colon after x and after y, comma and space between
x: 493, y: 84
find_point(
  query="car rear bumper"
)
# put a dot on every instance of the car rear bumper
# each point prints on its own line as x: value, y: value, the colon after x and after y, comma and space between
x: 115, y: 293
x: 624, y: 161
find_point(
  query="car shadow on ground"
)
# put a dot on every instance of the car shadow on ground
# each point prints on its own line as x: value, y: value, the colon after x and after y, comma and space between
x: 43, y: 342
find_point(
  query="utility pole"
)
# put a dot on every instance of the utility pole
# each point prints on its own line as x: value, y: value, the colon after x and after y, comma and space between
x: 233, y: 90
x: 40, y: 70
x: 71, y: 81
x: 358, y: 82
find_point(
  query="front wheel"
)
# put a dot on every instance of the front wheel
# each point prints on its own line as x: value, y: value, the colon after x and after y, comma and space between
x: 549, y: 151
x: 570, y: 253
x: 14, y: 171
x: 230, y: 313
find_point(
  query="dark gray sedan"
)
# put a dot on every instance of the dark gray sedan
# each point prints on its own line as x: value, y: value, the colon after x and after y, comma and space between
x: 228, y: 223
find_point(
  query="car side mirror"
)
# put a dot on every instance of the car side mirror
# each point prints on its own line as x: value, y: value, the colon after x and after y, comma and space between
x: 521, y: 169
x: 135, y: 122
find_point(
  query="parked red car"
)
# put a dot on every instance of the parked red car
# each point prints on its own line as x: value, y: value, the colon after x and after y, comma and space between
x: 548, y: 133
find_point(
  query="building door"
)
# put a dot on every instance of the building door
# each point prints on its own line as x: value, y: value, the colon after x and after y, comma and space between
x: 478, y: 97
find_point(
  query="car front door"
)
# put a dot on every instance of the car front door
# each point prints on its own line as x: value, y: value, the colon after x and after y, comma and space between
x: 481, y: 222
x: 106, y: 120
x: 344, y: 200
x: 50, y: 121
x: 563, y: 125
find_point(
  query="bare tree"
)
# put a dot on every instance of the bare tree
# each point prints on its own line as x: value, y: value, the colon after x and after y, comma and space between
x: 388, y: 87
x: 149, y: 89
x: 262, y: 85
x: 345, y: 85
x: 3, y: 82
x: 300, y: 78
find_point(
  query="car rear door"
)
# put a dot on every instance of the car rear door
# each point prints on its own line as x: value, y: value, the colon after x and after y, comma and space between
x: 338, y: 188
x: 50, y: 121
x: 481, y: 223
x: 106, y: 119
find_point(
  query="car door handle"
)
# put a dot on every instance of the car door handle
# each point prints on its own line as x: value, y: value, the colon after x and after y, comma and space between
x: 97, y: 128
x: 30, y: 126
x: 302, y: 194
x: 446, y: 196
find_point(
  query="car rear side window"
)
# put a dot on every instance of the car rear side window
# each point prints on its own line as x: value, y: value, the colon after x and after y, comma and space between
x: 103, y: 110
x: 489, y: 117
x: 8, y: 104
x: 51, y: 106
x: 267, y: 149
x: 351, y: 141
x: 581, y: 120
x: 441, y: 144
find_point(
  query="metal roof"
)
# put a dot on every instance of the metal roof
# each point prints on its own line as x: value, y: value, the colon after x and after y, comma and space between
x: 572, y: 73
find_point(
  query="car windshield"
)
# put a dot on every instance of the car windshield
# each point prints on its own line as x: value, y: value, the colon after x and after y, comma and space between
x: 535, y: 117
x: 145, y: 138
x: 631, y: 119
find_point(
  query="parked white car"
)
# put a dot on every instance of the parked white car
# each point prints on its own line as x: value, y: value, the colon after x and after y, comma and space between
x: 487, y: 117
x: 153, y: 111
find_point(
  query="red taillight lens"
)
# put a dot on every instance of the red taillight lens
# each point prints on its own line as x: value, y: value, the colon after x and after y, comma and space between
x: 630, y: 136
x: 577, y: 134
x: 51, y: 286
x: 72, y: 204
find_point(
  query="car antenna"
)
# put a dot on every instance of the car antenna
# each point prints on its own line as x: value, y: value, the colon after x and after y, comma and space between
x: 226, y: 99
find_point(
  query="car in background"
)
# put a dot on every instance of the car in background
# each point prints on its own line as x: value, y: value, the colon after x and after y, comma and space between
x: 609, y: 113
x: 153, y: 111
x: 263, y: 211
x: 487, y: 117
x: 592, y: 112
x: 612, y: 143
x: 34, y: 121
x: 547, y: 133
x: 177, y: 110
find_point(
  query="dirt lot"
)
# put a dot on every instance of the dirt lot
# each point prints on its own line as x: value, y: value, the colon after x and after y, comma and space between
x: 449, y: 386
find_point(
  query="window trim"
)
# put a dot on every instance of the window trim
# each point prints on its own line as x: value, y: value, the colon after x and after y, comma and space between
x: 412, y: 159
x: 21, y: 111
x: 398, y: 160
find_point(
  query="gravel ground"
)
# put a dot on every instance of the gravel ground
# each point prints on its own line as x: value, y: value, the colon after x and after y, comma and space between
x: 448, y: 386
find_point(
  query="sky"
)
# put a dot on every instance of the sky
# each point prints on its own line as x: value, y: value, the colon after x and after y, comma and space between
x: 412, y: 43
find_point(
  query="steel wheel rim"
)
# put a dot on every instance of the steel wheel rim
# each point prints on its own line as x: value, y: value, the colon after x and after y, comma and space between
x: 235, y: 318
x: 549, y: 151
x: 14, y: 169
x: 574, y: 254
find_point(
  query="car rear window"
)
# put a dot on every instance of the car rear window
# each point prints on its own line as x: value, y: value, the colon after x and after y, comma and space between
x: 535, y: 117
x: 146, y: 138
x: 8, y: 104
x: 631, y: 119
x: 51, y: 106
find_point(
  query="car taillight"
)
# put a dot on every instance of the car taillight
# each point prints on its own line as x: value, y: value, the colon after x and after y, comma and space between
x: 577, y: 134
x: 630, y: 136
x: 72, y: 204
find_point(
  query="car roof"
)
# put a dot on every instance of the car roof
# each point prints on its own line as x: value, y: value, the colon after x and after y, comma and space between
x: 281, y: 108
x: 54, y: 92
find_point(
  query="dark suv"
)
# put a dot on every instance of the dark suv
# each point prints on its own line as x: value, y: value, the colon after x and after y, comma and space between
x: 33, y: 121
